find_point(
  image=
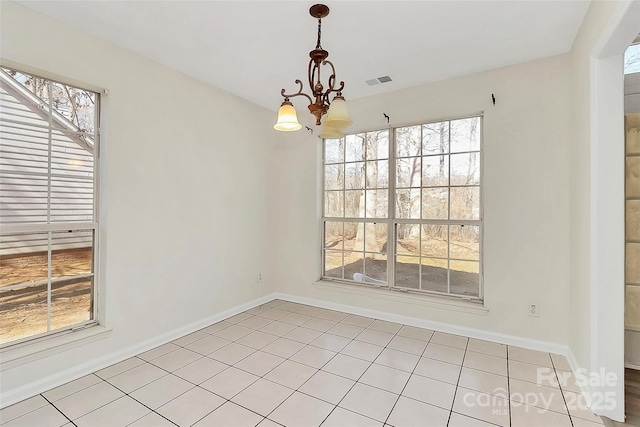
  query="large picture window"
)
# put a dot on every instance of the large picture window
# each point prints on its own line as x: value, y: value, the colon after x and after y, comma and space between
x: 402, y: 208
x: 48, y: 221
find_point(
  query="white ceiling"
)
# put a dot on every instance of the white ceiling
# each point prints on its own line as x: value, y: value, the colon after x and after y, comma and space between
x: 255, y: 48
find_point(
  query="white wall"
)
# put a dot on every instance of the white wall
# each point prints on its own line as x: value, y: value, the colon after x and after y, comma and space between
x: 526, y: 198
x: 184, y: 192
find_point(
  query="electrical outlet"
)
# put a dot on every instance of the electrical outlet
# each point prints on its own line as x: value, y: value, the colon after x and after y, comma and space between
x: 534, y: 309
x: 259, y: 278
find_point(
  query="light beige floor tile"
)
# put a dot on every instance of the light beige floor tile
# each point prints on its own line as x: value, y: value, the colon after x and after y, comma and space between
x: 273, y: 314
x: 290, y: 306
x: 301, y: 410
x: 540, y: 396
x: 408, y: 345
x: 346, y: 331
x: 79, y: 404
x: 295, y: 319
x: 283, y: 347
x: 484, y: 382
x: 416, y: 333
x: 530, y: 356
x: 268, y: 423
x: 458, y: 420
x: 201, y: 370
x: 438, y: 370
x: 487, y: 347
x: 137, y: 377
x: 372, y: 336
x: 310, y: 310
x: 255, y: 322
x: 313, y: 356
x: 430, y: 391
x: 176, y: 359
x: 161, y: 391
x: 238, y: 318
x: 263, y: 396
x: 156, y: 352
x: 152, y: 420
x: 579, y: 422
x: 369, y: 401
x: 190, y: 407
x: 409, y: 412
x: 485, y: 362
x: 120, y: 412
x: 230, y: 414
x: 397, y: 360
x: 70, y: 388
x: 216, y: 327
x: 532, y: 373
x: 346, y: 366
x: 330, y: 342
x: 341, y: 417
x: 229, y: 382
x: 560, y: 362
x: 207, y: 345
x: 45, y: 416
x: 362, y: 350
x: 291, y: 374
x: 259, y: 363
x: 232, y: 353
x: 233, y: 332
x: 257, y: 340
x: 303, y: 335
x: 336, y: 316
x: 444, y: 353
x: 328, y: 387
x: 568, y: 381
x: 278, y: 328
x: 119, y: 368
x: 384, y: 326
x: 529, y: 416
x: 386, y: 378
x: 356, y: 320
x: 195, y: 336
x: 578, y: 407
x: 482, y: 406
x: 451, y: 340
x: 320, y: 325
x: 22, y: 408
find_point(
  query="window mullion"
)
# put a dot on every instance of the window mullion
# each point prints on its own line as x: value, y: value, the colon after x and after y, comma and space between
x: 391, y: 215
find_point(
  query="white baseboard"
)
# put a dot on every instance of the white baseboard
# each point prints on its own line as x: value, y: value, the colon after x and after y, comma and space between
x: 632, y: 366
x: 47, y: 383
x: 545, y: 346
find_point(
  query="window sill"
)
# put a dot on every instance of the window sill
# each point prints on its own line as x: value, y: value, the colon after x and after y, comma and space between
x: 443, y: 302
x: 19, y: 354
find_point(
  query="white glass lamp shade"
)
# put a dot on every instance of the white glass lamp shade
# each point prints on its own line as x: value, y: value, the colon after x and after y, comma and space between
x: 338, y: 114
x: 287, y: 118
x: 328, y: 132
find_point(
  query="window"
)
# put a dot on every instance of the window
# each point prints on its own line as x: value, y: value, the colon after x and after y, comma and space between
x: 402, y: 208
x: 48, y: 221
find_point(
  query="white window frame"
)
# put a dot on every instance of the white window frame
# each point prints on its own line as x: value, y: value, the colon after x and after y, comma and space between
x: 55, y: 340
x: 392, y: 221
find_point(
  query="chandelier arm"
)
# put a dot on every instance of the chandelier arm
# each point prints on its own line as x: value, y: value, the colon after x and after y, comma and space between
x: 299, y: 93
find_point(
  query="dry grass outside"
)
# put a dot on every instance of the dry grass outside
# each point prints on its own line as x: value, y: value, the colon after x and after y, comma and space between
x: 464, y: 278
x: 23, y: 312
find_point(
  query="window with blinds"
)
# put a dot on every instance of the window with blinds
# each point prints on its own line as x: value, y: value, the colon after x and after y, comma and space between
x: 48, y: 221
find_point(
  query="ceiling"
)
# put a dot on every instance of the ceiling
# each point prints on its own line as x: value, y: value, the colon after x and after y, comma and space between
x: 255, y: 48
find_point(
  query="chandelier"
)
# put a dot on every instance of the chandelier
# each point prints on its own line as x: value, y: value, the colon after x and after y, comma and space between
x: 337, y: 113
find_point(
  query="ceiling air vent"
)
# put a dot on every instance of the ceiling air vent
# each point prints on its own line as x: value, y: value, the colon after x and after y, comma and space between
x: 373, y: 82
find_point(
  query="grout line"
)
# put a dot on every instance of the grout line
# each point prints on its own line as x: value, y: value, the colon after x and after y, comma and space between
x: 57, y: 409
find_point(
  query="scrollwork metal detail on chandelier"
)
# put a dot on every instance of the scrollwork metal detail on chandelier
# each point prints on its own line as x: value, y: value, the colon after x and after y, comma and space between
x: 337, y: 112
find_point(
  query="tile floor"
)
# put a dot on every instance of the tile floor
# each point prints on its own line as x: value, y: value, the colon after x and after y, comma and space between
x: 289, y: 364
